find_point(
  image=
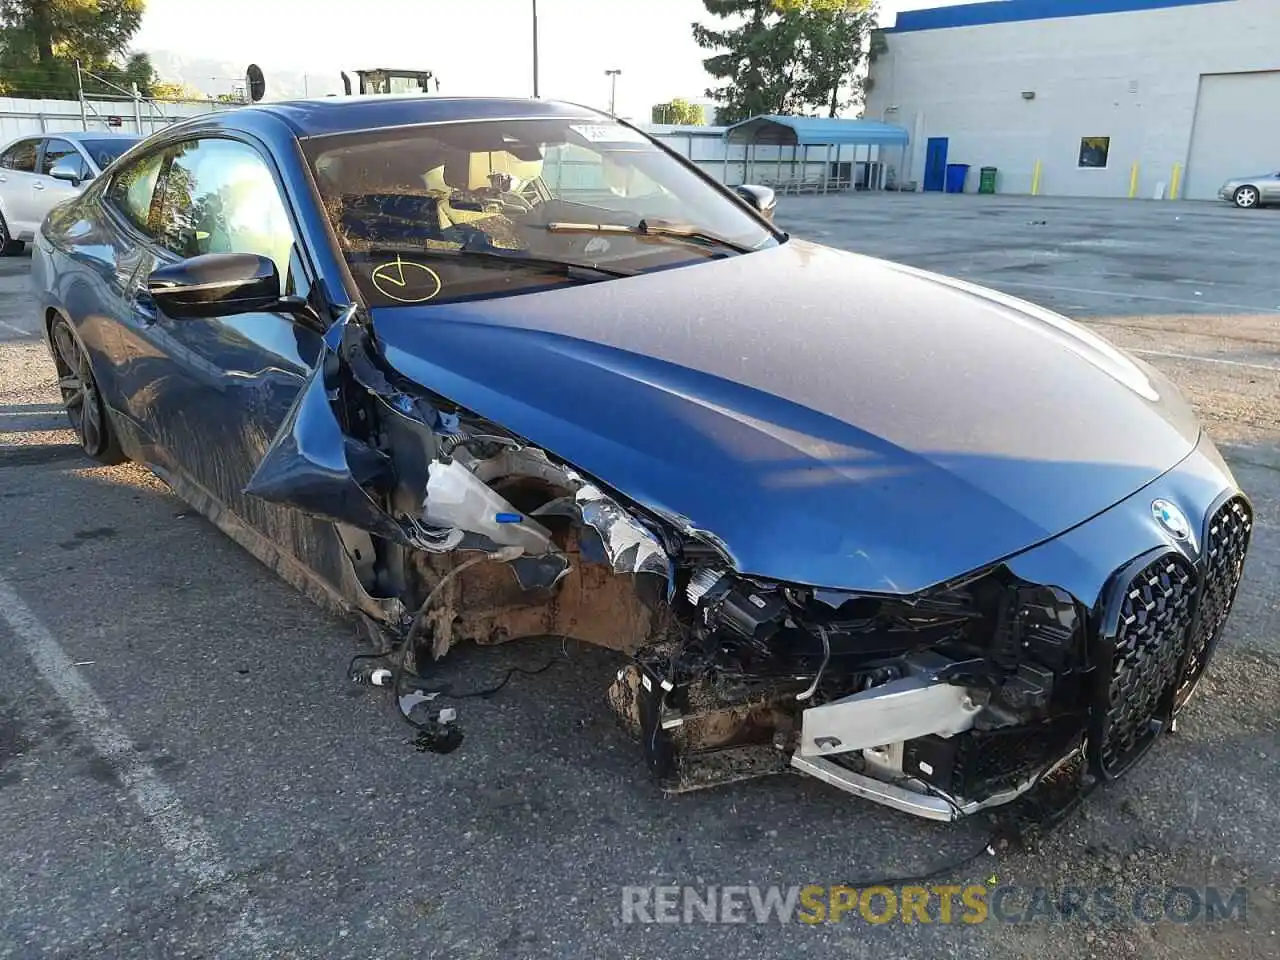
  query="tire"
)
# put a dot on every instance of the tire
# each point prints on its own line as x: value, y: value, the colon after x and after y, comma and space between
x: 1246, y: 197
x: 9, y: 247
x: 81, y: 398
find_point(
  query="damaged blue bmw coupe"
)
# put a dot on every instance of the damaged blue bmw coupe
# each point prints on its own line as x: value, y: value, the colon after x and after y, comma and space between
x: 474, y: 370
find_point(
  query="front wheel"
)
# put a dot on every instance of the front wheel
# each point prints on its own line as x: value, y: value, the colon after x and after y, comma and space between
x: 81, y: 397
x: 1246, y: 198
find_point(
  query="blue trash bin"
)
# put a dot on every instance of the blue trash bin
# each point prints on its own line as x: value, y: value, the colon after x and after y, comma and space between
x: 956, y: 175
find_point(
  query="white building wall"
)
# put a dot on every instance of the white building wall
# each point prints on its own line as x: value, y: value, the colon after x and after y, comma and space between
x: 1133, y: 77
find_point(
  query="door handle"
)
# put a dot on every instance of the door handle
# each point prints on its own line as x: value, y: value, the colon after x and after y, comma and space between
x: 37, y: 185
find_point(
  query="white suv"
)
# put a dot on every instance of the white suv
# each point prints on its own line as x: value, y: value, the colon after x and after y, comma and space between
x: 37, y: 173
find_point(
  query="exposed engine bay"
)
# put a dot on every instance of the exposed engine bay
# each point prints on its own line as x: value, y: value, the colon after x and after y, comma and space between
x: 939, y: 704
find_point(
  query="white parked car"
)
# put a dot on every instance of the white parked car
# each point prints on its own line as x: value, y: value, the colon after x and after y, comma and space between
x: 38, y: 173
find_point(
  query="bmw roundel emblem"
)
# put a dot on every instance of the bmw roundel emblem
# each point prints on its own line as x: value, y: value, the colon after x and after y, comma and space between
x: 1171, y: 519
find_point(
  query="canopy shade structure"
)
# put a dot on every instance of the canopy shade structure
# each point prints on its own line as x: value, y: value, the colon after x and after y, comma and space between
x: 775, y: 133
x: 777, y: 130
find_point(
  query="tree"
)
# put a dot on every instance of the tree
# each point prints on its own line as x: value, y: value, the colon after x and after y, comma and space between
x: 678, y: 111
x: 753, y: 57
x: 832, y: 53
x: 784, y: 56
x: 174, y: 90
x: 40, y: 41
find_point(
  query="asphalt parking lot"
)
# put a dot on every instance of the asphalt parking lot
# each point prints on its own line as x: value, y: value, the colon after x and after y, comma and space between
x: 185, y: 772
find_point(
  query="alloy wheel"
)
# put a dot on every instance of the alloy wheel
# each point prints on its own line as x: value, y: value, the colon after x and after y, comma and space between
x: 1246, y: 197
x: 79, y: 392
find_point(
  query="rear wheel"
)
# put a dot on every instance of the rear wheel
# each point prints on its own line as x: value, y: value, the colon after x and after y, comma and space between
x: 1246, y: 197
x: 81, y: 397
x: 8, y: 246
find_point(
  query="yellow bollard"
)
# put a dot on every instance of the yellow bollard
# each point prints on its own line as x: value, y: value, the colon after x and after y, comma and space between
x: 1175, y: 182
x: 1133, y: 182
x: 1035, y: 180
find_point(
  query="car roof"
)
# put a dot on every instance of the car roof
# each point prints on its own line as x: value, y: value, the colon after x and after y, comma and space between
x: 91, y: 135
x: 328, y: 115
x: 77, y: 136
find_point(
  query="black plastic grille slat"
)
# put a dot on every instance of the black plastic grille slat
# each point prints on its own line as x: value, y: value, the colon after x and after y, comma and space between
x: 991, y: 761
x: 1150, y: 643
x: 1226, y: 543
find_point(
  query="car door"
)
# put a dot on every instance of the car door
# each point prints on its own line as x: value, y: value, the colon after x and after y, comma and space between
x: 47, y: 192
x: 1270, y: 188
x: 110, y: 248
x: 212, y: 393
x: 17, y: 174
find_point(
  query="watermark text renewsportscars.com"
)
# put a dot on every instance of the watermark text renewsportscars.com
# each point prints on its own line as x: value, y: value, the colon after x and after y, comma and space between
x: 938, y: 903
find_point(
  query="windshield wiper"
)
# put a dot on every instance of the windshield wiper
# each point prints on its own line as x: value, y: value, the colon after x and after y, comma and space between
x: 566, y: 267
x: 654, y: 228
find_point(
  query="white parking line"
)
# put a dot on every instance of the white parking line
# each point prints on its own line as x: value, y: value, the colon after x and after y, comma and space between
x: 192, y: 847
x: 18, y: 330
x: 1116, y: 295
x: 1192, y: 356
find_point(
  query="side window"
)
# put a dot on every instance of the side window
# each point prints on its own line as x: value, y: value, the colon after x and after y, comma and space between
x: 20, y: 156
x: 220, y: 197
x: 55, y: 150
x: 132, y: 189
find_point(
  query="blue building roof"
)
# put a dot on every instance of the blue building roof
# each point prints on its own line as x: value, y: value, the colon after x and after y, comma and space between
x: 813, y: 131
x: 1011, y: 11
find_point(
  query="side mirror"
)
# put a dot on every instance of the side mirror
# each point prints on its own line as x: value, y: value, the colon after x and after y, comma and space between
x: 67, y: 168
x: 216, y: 285
x: 760, y: 199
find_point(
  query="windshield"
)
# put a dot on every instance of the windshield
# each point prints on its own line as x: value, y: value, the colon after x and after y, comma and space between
x: 493, y: 208
x: 106, y: 151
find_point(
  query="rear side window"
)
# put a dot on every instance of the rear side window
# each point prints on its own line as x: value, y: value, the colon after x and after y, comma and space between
x: 220, y: 197
x: 55, y: 150
x: 132, y: 190
x: 105, y: 151
x: 21, y: 156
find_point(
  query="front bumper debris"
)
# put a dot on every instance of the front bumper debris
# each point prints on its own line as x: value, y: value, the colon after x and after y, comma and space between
x: 980, y: 693
x: 946, y: 701
x: 912, y: 801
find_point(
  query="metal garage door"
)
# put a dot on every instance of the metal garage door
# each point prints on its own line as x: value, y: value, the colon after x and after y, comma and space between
x: 1235, y: 131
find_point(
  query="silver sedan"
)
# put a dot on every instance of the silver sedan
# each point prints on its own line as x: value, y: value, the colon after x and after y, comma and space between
x: 39, y: 171
x: 1250, y: 192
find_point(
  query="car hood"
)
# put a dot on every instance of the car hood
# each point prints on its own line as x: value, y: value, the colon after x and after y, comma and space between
x: 826, y: 418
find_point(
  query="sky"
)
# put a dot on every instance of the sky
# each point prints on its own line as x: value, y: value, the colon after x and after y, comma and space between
x: 475, y: 47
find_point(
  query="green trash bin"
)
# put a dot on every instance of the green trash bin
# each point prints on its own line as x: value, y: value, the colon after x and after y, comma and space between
x: 987, y: 180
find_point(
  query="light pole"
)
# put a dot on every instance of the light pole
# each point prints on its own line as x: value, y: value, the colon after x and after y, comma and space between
x: 535, y: 49
x: 613, y: 90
